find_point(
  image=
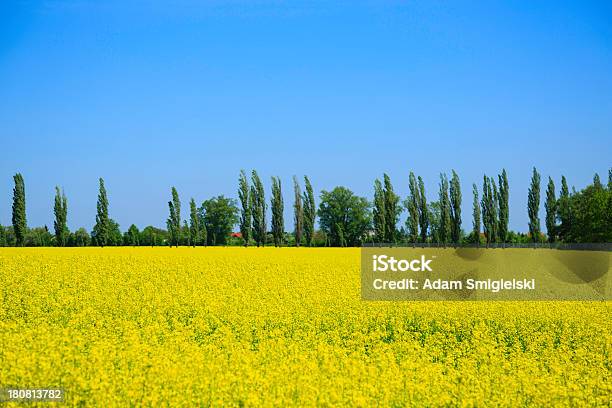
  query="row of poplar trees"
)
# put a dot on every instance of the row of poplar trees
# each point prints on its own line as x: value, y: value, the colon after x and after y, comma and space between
x: 251, y: 194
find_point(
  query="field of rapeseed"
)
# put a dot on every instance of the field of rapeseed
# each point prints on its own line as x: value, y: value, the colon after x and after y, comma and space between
x: 236, y: 326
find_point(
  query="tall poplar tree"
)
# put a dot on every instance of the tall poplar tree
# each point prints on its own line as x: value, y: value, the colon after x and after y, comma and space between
x: 310, y: 212
x: 489, y: 209
x: 20, y: 224
x: 455, y: 207
x: 533, y: 206
x: 174, y: 218
x: 298, y: 212
x: 60, y: 210
x: 564, y: 211
x: 476, y: 215
x: 445, y: 217
x: 101, y: 230
x: 276, y: 201
x: 504, y: 206
x: 245, y: 210
x: 379, y: 212
x: 258, y: 209
x: 412, y: 205
x: 423, y: 211
x: 551, y: 211
x: 392, y: 210
x: 194, y: 224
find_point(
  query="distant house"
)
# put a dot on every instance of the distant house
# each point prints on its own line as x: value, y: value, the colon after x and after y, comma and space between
x: 236, y: 235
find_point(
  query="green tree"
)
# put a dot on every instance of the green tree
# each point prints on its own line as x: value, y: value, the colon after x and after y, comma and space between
x: 174, y: 219
x: 392, y: 210
x: 455, y: 208
x: 412, y: 205
x: 445, y: 217
x: 434, y: 217
x: 310, y: 212
x: 504, y: 206
x: 379, y: 212
x: 533, y: 206
x: 423, y: 211
x: 20, y: 225
x: 219, y: 215
x: 551, y: 211
x: 60, y: 210
x: 564, y: 212
x: 79, y: 238
x: 277, y: 206
x: 115, y: 238
x: 3, y: 241
x: 344, y: 217
x: 101, y: 230
x: 490, y: 221
x: 194, y: 224
x: 298, y: 212
x: 258, y: 209
x: 476, y: 215
x: 245, y: 207
x: 133, y: 236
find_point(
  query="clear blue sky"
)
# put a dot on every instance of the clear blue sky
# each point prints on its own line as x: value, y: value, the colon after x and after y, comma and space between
x: 150, y: 95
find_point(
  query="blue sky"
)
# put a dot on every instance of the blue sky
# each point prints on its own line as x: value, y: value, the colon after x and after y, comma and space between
x: 150, y: 95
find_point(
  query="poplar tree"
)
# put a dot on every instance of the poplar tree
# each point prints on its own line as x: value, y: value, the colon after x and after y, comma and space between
x: 504, y: 207
x: 412, y: 205
x: 564, y: 213
x: 533, y: 206
x: 194, y: 223
x: 276, y: 201
x: 245, y: 211
x: 445, y: 217
x: 551, y: 211
x: 258, y: 209
x: 310, y: 212
x: 174, y: 219
x: 20, y: 225
x: 60, y: 210
x: 392, y: 210
x: 423, y: 211
x: 455, y: 206
x: 476, y: 215
x: 298, y: 212
x: 489, y: 209
x: 379, y: 212
x: 101, y: 230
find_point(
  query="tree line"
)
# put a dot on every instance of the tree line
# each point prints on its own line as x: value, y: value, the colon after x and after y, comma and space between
x: 344, y: 218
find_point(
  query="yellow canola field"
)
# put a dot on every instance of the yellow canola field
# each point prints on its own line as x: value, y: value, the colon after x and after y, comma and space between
x: 279, y: 327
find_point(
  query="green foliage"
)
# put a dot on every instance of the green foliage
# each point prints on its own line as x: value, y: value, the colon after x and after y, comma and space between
x: 551, y: 211
x: 219, y: 214
x: 152, y: 236
x: 3, y: 241
x: 101, y: 231
x: 20, y: 225
x: 504, y: 206
x: 115, y: 238
x: 379, y: 212
x: 533, y: 206
x: 392, y: 210
x: 79, y: 238
x: 298, y: 212
x: 434, y: 217
x: 195, y: 235
x: 455, y: 208
x: 423, y: 211
x: 444, y: 232
x: 245, y: 207
x: 276, y: 203
x: 310, y: 212
x: 412, y: 205
x: 489, y: 206
x: 258, y: 209
x: 344, y: 217
x: 174, y: 219
x: 60, y: 210
x: 475, y: 215
x: 132, y: 236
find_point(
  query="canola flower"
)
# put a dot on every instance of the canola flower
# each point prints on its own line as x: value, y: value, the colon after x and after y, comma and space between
x: 279, y: 327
